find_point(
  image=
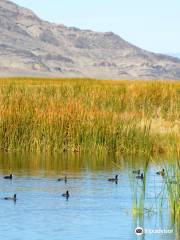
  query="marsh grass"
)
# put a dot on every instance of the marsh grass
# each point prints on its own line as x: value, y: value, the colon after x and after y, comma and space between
x: 139, y: 191
x: 89, y: 115
x: 167, y: 197
x: 172, y: 184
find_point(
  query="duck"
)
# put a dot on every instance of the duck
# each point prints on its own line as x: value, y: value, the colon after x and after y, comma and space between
x: 66, y: 194
x: 162, y: 173
x: 61, y: 179
x: 136, y: 171
x: 113, y: 179
x: 8, y: 177
x: 140, y: 176
x: 11, y: 198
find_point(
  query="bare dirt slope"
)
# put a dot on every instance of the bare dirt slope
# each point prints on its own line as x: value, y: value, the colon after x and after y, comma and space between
x: 30, y: 46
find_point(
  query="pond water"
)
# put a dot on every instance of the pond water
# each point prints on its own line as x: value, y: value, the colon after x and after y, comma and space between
x: 96, y: 209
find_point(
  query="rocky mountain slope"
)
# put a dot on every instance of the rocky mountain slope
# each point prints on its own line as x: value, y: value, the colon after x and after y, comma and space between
x: 31, y: 46
x: 177, y: 55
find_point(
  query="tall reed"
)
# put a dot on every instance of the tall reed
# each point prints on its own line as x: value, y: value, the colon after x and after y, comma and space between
x: 89, y: 115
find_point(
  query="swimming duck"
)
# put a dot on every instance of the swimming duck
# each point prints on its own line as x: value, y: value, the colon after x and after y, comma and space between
x: 66, y: 194
x: 61, y: 179
x: 140, y: 176
x: 11, y: 198
x: 8, y: 177
x: 113, y: 179
x: 162, y: 173
x: 136, y: 171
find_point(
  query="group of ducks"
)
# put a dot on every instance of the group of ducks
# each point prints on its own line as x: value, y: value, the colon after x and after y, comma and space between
x: 67, y: 195
x: 14, y: 198
x: 141, y: 175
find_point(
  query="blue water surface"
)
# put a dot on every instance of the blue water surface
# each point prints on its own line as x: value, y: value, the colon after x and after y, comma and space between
x: 96, y: 209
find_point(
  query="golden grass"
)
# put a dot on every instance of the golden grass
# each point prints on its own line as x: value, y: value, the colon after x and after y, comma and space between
x: 89, y: 115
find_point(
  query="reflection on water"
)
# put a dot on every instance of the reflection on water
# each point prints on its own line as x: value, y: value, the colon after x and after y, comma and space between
x: 96, y: 209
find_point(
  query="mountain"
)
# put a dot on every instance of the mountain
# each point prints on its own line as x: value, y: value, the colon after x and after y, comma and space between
x: 30, y: 46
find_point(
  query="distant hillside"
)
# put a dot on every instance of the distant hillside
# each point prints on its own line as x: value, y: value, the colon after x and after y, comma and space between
x: 31, y: 46
x: 175, y: 55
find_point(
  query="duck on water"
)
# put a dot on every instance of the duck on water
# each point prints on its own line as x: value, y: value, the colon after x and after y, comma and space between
x: 136, y: 171
x: 66, y: 194
x: 113, y: 179
x: 9, y: 176
x: 61, y: 179
x: 140, y: 176
x: 11, y: 198
x: 162, y: 173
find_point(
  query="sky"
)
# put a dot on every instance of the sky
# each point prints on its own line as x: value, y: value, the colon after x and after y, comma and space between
x: 150, y: 24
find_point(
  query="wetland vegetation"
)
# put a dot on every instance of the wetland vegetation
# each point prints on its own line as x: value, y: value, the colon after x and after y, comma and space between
x: 86, y: 115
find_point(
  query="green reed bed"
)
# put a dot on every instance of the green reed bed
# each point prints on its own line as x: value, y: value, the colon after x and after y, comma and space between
x: 172, y: 185
x: 165, y: 199
x: 89, y: 115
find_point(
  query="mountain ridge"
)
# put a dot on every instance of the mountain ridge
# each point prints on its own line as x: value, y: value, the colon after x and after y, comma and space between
x: 30, y: 46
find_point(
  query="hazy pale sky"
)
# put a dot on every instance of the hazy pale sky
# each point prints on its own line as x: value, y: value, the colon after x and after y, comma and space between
x: 149, y: 24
